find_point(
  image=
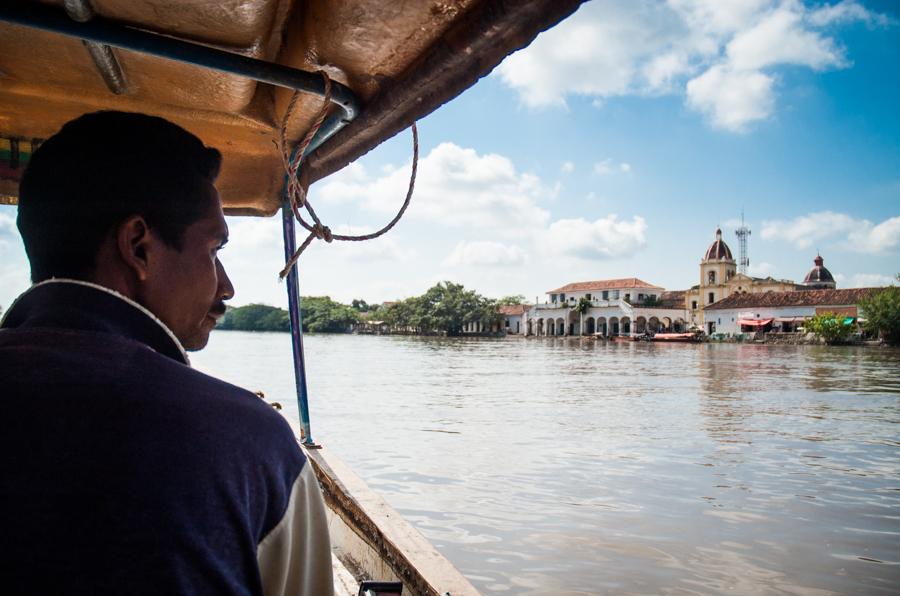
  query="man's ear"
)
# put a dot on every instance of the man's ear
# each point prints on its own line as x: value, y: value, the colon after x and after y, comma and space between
x: 133, y: 241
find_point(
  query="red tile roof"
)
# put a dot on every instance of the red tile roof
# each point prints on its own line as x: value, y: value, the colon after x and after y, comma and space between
x: 606, y: 284
x: 673, y: 299
x: 514, y: 309
x: 797, y: 298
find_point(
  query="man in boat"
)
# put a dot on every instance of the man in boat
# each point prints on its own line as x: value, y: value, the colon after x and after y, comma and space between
x: 125, y: 470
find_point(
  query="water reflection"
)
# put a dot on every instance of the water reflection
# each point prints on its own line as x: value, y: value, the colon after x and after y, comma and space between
x: 566, y: 466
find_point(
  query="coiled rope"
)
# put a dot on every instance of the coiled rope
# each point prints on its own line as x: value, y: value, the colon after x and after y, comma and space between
x: 298, y: 182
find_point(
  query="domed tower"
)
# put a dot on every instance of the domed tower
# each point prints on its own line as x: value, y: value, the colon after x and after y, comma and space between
x: 717, y: 267
x: 819, y: 278
x: 718, y: 250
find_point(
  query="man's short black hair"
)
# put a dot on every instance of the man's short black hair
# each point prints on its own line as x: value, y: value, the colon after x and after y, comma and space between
x: 97, y: 171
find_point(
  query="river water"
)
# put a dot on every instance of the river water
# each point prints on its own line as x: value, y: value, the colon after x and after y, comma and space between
x: 561, y: 466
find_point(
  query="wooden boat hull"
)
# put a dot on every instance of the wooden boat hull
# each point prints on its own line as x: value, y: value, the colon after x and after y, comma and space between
x: 676, y: 338
x: 372, y: 541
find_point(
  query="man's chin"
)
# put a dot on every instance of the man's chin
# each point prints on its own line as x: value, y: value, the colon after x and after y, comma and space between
x: 196, y: 345
x: 197, y: 341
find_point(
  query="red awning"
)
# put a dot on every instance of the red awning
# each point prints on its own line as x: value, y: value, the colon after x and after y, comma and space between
x: 754, y: 322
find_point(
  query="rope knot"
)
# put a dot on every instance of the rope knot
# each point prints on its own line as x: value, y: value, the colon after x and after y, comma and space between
x: 298, y: 181
x: 323, y: 232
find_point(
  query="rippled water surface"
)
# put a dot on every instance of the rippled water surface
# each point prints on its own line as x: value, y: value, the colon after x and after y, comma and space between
x: 566, y: 467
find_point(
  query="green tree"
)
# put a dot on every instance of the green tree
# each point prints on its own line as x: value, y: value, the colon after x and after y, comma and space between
x: 443, y: 309
x: 362, y: 306
x: 322, y: 314
x: 651, y: 301
x: 882, y: 313
x: 830, y: 327
x: 319, y: 314
x: 582, y: 307
x: 255, y: 317
x: 512, y: 300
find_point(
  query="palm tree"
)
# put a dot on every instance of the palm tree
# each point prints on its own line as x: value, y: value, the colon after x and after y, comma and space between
x: 582, y: 307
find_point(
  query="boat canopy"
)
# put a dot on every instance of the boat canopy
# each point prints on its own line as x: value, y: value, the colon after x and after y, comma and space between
x: 188, y: 61
x: 754, y: 322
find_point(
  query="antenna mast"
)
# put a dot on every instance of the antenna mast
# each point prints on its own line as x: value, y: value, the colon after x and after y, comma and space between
x: 743, y: 234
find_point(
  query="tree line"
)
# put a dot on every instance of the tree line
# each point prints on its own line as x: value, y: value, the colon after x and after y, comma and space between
x: 320, y: 314
x: 443, y: 309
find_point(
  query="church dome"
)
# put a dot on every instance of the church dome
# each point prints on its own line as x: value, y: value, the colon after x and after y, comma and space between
x: 718, y: 250
x: 819, y: 276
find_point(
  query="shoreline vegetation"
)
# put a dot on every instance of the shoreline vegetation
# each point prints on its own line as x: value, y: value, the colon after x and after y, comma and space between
x: 443, y: 309
x: 446, y: 308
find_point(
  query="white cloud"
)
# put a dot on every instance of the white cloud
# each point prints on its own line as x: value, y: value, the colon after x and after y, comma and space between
x: 474, y: 218
x: 782, y: 37
x: 846, y: 12
x: 8, y: 230
x: 485, y: 253
x: 762, y: 269
x: 568, y: 167
x: 608, y: 166
x: 863, y: 280
x: 719, y: 54
x: 387, y: 247
x: 14, y: 269
x: 7, y: 223
x: 602, y: 168
x: 861, y: 234
x: 455, y: 186
x: 882, y: 238
x: 600, y: 239
x: 730, y: 98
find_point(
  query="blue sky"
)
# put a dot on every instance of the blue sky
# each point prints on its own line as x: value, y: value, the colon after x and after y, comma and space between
x: 612, y: 147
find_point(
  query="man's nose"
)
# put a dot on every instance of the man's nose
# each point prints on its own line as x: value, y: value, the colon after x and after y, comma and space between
x: 226, y: 290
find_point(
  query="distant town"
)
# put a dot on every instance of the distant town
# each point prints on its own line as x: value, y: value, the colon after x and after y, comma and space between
x: 727, y: 303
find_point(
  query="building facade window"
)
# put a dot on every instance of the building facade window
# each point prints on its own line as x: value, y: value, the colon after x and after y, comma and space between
x: 693, y: 305
x: 588, y: 296
x: 552, y: 297
x: 712, y: 298
x: 712, y: 277
x: 615, y: 294
x: 627, y: 297
x: 606, y: 294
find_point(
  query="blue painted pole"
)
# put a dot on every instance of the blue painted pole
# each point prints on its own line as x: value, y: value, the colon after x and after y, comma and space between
x: 293, y: 289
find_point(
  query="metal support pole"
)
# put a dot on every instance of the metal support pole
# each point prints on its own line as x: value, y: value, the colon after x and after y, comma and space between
x: 293, y: 289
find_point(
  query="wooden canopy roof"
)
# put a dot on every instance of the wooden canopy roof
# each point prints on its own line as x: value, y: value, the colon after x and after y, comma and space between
x: 401, y: 61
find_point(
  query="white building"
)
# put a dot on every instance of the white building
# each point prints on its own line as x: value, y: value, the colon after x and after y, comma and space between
x: 514, y: 318
x: 741, y: 313
x: 609, y: 307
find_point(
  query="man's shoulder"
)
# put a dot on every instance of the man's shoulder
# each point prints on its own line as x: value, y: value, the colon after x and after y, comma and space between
x: 114, y: 371
x: 240, y: 413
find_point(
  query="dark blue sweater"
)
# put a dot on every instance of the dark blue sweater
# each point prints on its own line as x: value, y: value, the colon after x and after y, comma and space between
x: 123, y: 469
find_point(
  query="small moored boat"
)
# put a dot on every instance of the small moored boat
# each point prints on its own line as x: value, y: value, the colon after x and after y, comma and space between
x: 677, y: 337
